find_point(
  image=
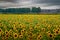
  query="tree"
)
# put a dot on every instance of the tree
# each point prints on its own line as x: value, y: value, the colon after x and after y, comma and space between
x: 36, y: 10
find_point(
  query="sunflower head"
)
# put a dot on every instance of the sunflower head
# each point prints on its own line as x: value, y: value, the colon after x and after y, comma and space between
x: 49, y: 26
x: 58, y: 29
x: 6, y: 36
x: 31, y: 28
x: 2, y: 34
x: 43, y: 29
x: 30, y: 38
x: 10, y: 31
x: 0, y: 30
x: 1, y: 24
x: 23, y: 31
x: 15, y: 35
x: 56, y: 32
x: 6, y: 32
x: 51, y: 35
x: 48, y: 32
x: 20, y: 36
x: 39, y: 37
x: 30, y: 33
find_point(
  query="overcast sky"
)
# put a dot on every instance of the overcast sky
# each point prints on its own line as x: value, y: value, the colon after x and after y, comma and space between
x: 44, y: 4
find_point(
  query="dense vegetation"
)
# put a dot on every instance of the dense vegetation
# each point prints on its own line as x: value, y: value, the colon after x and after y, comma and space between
x: 21, y: 10
x: 29, y: 27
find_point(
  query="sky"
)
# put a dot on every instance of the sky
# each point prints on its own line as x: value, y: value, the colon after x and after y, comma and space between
x: 43, y: 4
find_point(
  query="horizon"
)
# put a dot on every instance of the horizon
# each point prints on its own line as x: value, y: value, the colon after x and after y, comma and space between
x: 31, y: 8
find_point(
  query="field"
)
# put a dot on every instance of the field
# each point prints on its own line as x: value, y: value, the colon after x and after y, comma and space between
x: 29, y: 27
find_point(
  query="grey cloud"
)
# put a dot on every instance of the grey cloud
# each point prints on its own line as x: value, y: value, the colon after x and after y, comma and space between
x: 52, y: 2
x: 30, y: 3
x: 14, y: 1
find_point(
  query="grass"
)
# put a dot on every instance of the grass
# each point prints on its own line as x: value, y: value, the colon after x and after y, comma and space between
x: 29, y: 27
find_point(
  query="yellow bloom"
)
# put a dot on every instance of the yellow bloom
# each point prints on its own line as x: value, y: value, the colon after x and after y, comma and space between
x: 48, y: 32
x: 31, y: 29
x: 14, y: 28
x: 10, y: 32
x: 23, y: 31
x: 39, y: 37
x: 36, y: 27
x: 30, y: 38
x: 51, y: 35
x: 58, y: 29
x: 15, y: 35
x: 43, y: 29
x: 20, y: 36
x: 29, y: 33
x: 6, y: 32
x: 56, y: 32
x: 49, y: 26
x: 1, y: 24
x: 6, y: 36
x: 0, y: 31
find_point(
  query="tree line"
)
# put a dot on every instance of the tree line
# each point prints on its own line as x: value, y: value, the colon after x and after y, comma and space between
x: 21, y: 10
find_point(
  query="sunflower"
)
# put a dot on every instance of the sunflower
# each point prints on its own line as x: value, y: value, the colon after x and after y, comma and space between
x: 3, y: 38
x: 59, y: 26
x: 23, y: 26
x: 6, y: 32
x: 51, y: 35
x: 15, y: 35
x: 23, y: 31
x: 58, y: 29
x: 48, y: 32
x: 6, y: 36
x: 30, y: 38
x: 5, y: 27
x: 20, y: 35
x: 29, y: 33
x: 1, y: 24
x: 14, y: 28
x: 39, y: 37
x: 2, y: 34
x: 20, y: 26
x: 0, y: 31
x: 10, y: 33
x: 49, y: 26
x: 56, y: 32
x: 31, y: 28
x: 54, y: 35
x: 43, y: 29
x: 36, y: 27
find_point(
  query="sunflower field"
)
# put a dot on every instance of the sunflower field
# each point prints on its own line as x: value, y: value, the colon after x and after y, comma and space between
x: 29, y: 27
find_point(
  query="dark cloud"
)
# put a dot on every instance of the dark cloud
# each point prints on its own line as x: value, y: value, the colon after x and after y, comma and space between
x: 9, y: 0
x: 52, y: 2
x: 27, y: 3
